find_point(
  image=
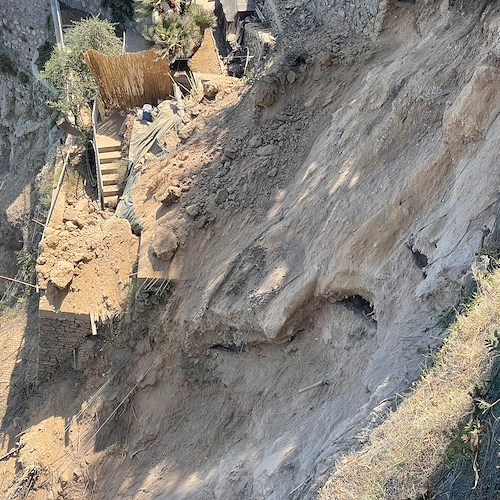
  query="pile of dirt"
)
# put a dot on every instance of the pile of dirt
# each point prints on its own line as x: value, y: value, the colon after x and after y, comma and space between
x: 85, y: 262
x: 333, y: 185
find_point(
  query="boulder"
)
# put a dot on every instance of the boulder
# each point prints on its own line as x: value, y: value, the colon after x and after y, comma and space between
x: 325, y: 58
x: 221, y: 196
x: 164, y: 244
x: 172, y: 194
x: 193, y: 210
x: 291, y: 76
x: 210, y: 90
x: 62, y: 274
x: 266, y: 150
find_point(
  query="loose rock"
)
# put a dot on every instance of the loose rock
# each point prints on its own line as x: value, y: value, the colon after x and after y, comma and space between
x: 266, y: 150
x: 325, y: 58
x: 221, y: 196
x: 62, y: 274
x: 193, y: 210
x: 164, y: 244
x: 172, y: 194
x: 199, y: 223
x: 210, y: 90
x: 255, y: 141
x: 291, y: 76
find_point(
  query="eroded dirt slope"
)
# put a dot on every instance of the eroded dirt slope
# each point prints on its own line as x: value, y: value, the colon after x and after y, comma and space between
x: 342, y: 213
x: 326, y: 225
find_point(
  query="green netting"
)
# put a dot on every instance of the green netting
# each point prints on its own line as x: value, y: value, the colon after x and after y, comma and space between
x: 144, y: 136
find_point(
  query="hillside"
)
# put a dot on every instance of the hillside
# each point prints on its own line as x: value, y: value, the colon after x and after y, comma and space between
x: 330, y: 211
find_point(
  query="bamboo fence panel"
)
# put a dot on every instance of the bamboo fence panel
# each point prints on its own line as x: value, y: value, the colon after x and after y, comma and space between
x: 131, y: 79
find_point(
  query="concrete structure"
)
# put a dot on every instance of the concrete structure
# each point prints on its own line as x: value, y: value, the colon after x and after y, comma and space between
x: 259, y: 41
x: 230, y: 12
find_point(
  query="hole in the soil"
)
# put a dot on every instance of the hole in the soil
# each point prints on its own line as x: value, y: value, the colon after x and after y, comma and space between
x: 229, y: 348
x: 420, y: 259
x: 357, y: 303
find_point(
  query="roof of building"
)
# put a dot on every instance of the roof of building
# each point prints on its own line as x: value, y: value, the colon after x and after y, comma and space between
x: 232, y: 7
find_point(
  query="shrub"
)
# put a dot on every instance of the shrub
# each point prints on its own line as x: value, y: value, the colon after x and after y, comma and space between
x: 174, y: 34
x: 177, y: 36
x: 202, y: 17
x: 6, y: 65
x: 44, y: 53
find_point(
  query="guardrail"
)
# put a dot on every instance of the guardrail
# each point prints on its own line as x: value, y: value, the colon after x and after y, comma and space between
x: 100, y: 188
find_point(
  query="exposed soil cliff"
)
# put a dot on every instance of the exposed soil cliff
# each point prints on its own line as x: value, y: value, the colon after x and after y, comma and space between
x: 347, y: 203
x: 327, y: 221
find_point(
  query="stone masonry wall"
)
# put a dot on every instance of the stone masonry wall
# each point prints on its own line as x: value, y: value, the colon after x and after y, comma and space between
x: 356, y: 15
x: 60, y: 333
x: 92, y: 6
x: 259, y: 40
x: 360, y: 16
x: 24, y: 26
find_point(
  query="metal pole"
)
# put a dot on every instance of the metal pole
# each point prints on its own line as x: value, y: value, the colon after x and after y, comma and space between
x: 56, y: 16
x: 17, y: 281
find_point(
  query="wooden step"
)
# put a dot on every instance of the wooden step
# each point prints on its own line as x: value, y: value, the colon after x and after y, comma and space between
x: 110, y: 190
x: 110, y: 201
x: 110, y: 168
x: 110, y: 157
x: 109, y: 149
x: 110, y: 179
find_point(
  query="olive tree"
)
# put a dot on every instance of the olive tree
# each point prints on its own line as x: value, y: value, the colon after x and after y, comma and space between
x: 66, y: 69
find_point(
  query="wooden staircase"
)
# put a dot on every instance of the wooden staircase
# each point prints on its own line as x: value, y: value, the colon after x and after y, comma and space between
x: 111, y: 171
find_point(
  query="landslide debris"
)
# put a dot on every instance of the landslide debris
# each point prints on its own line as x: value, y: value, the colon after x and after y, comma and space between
x: 324, y: 221
x: 85, y: 261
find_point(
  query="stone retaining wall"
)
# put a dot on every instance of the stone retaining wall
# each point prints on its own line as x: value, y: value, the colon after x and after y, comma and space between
x: 60, y: 334
x: 24, y: 26
x: 359, y: 16
x: 259, y: 41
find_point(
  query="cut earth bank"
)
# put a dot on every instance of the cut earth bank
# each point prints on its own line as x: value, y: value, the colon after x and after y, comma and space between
x: 327, y: 224
x: 342, y: 209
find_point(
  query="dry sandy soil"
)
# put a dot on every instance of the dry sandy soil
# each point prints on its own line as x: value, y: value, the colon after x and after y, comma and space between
x: 328, y: 219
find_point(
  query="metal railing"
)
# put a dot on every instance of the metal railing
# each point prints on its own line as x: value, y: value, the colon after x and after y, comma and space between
x: 56, y: 16
x: 100, y: 188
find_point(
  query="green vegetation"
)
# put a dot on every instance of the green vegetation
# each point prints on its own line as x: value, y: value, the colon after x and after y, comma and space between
x: 66, y: 69
x: 175, y: 32
x: 8, y: 67
x: 44, y: 53
x: 24, y: 78
x: 26, y: 261
x: 202, y: 17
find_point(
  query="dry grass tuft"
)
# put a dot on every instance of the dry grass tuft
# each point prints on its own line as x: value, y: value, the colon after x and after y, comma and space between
x: 409, y: 446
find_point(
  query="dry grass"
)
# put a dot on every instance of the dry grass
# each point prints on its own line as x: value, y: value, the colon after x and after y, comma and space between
x: 409, y: 446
